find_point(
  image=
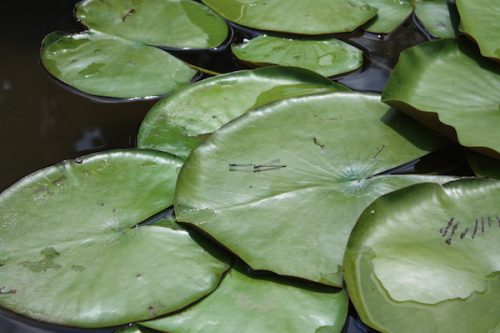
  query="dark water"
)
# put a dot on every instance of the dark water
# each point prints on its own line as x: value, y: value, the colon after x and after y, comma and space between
x: 42, y: 123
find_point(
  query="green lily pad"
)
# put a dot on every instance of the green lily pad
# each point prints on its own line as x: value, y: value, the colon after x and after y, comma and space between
x: 264, y: 305
x: 435, y: 16
x: 447, y: 85
x: 484, y: 166
x: 426, y: 258
x: 480, y: 20
x: 283, y: 185
x: 391, y: 14
x: 181, y: 121
x: 108, y: 66
x: 327, y: 57
x: 72, y: 253
x: 172, y: 23
x: 311, y: 17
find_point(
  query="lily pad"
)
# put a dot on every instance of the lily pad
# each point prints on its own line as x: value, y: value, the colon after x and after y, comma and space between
x: 171, y: 23
x: 484, y: 166
x: 391, y: 14
x: 327, y: 57
x: 72, y: 252
x: 435, y: 16
x: 447, y: 85
x: 109, y: 66
x: 426, y: 254
x: 264, y: 305
x: 283, y: 185
x: 311, y: 17
x: 480, y: 20
x: 181, y: 121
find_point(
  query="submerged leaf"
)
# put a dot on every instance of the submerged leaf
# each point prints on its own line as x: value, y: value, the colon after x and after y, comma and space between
x: 480, y: 19
x: 72, y: 252
x: 172, y: 23
x: 327, y: 57
x: 181, y: 121
x: 312, y: 17
x: 283, y: 185
x: 249, y: 304
x: 435, y: 16
x: 108, y: 66
x: 427, y: 253
x: 448, y: 86
x: 390, y: 15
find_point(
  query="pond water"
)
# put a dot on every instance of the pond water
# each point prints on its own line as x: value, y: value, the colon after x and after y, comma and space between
x: 43, y: 122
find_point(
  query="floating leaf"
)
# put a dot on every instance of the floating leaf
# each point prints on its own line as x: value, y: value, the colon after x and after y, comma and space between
x: 450, y: 87
x: 264, y: 305
x: 172, y: 23
x: 181, y: 121
x: 108, y: 66
x: 480, y: 20
x: 327, y: 57
x: 283, y: 185
x: 390, y: 15
x: 427, y: 253
x: 484, y: 166
x: 435, y: 16
x: 71, y: 252
x: 311, y: 17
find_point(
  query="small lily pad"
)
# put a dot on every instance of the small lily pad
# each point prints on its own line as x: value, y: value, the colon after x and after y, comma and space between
x: 427, y: 253
x: 283, y: 185
x: 480, y: 20
x: 327, y: 57
x: 450, y: 87
x: 72, y: 251
x: 171, y: 23
x: 311, y: 17
x: 265, y: 305
x: 390, y: 15
x: 181, y: 121
x: 109, y: 66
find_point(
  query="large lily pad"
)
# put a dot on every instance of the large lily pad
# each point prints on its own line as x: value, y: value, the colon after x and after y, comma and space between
x: 435, y: 16
x: 327, y: 57
x: 181, y: 121
x: 249, y: 304
x: 450, y: 87
x: 71, y: 251
x: 426, y: 259
x: 172, y: 23
x: 311, y: 17
x: 480, y: 20
x: 283, y: 185
x: 390, y: 15
x: 109, y: 66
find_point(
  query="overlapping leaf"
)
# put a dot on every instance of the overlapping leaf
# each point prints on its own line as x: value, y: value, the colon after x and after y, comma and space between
x: 390, y: 15
x: 248, y: 304
x: 71, y: 251
x: 435, y: 16
x: 172, y: 23
x: 311, y: 17
x: 450, y: 87
x: 327, y: 57
x: 427, y: 253
x: 181, y: 121
x: 283, y: 185
x: 108, y: 66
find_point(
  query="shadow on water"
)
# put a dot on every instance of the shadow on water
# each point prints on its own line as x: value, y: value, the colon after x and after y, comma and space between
x: 42, y: 124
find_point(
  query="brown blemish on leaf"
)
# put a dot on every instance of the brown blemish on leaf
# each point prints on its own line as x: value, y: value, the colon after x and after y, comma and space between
x: 318, y: 143
x: 45, y: 264
x: 129, y: 13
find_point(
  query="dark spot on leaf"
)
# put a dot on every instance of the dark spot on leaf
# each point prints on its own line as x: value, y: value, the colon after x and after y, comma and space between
x: 59, y: 181
x: 129, y: 13
x: 77, y: 268
x: 318, y: 143
x: 102, y: 204
x: 45, y: 264
x: 5, y: 291
x: 139, y: 275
